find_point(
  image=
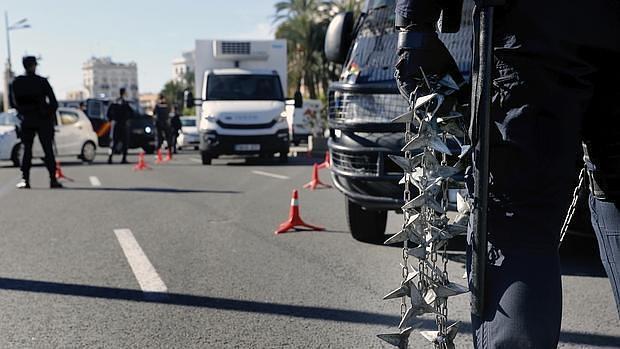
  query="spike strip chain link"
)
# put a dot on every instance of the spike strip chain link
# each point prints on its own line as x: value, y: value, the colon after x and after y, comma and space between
x: 425, y: 220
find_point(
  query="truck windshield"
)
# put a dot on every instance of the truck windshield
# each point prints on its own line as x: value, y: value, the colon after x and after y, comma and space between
x: 244, y: 88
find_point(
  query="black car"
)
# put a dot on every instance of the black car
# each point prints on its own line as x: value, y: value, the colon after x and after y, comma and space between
x: 361, y: 105
x: 141, y: 125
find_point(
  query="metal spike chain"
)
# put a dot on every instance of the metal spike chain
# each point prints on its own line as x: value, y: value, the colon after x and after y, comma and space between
x: 426, y: 227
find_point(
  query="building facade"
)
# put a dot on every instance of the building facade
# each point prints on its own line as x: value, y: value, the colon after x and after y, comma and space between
x: 77, y: 95
x: 148, y: 102
x: 104, y: 78
x: 180, y: 66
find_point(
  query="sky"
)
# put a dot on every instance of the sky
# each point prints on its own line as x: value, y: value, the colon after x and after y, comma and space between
x: 66, y: 33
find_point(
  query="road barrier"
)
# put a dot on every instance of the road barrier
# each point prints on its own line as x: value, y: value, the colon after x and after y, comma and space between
x: 294, y: 221
x: 59, y: 174
x: 141, y: 165
x: 327, y: 163
x: 315, y: 182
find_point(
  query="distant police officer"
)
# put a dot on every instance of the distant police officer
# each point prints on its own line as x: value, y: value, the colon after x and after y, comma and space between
x: 119, y: 113
x: 555, y: 81
x: 162, y: 122
x: 36, y: 104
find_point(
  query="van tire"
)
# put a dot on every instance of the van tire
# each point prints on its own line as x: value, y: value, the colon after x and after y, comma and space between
x: 365, y: 225
x: 206, y: 158
x: 17, y: 154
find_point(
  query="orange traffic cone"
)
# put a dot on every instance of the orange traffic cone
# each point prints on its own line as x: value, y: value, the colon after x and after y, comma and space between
x: 159, y: 159
x: 141, y: 165
x: 315, y: 182
x: 169, y: 155
x: 327, y: 163
x: 59, y: 174
x: 294, y: 221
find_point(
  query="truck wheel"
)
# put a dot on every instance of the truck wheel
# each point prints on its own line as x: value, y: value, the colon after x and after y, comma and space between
x: 365, y: 225
x: 17, y: 154
x: 206, y: 158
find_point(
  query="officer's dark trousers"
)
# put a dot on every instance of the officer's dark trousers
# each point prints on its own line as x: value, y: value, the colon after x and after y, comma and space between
x: 46, y: 137
x: 556, y: 78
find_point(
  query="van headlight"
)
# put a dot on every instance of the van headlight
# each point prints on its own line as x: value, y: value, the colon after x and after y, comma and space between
x: 148, y: 130
x: 281, y: 117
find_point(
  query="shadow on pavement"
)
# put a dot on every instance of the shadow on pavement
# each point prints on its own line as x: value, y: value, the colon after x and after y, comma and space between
x: 155, y: 190
x: 248, y: 306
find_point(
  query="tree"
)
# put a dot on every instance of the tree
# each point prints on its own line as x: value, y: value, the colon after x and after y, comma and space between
x: 303, y: 23
x: 173, y: 91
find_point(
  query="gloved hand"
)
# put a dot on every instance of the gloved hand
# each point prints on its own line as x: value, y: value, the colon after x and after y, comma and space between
x: 422, y: 51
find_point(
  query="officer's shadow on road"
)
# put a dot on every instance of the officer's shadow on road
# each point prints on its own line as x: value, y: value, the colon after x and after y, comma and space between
x: 154, y: 190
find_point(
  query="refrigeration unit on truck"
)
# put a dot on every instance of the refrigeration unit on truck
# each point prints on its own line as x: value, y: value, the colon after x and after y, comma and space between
x: 361, y: 105
x: 240, y: 90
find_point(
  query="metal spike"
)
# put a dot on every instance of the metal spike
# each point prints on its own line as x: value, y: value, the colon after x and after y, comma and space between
x: 418, y: 252
x: 419, y: 305
x: 427, y: 137
x: 400, y: 339
x: 424, y: 200
x: 424, y: 101
x: 402, y: 291
x: 448, y: 82
x: 405, y: 118
x: 413, y: 231
x: 446, y: 340
x: 450, y: 290
x: 402, y: 162
x: 407, y: 320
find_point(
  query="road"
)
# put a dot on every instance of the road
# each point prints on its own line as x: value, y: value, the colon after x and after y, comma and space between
x: 184, y: 256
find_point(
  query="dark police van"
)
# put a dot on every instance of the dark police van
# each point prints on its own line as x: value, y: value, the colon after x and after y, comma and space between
x: 362, y: 103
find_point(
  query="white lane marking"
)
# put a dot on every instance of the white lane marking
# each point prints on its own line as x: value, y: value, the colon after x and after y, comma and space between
x: 268, y: 174
x: 94, y: 181
x: 195, y: 160
x: 142, y: 268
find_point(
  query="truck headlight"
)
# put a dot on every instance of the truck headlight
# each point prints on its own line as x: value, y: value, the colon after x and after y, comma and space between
x: 148, y: 130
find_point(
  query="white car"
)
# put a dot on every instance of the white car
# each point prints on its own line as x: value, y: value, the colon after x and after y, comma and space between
x: 189, y: 133
x: 74, y: 137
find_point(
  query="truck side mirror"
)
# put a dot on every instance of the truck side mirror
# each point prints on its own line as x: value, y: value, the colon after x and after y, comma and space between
x: 188, y: 99
x: 338, y: 37
x: 299, y: 100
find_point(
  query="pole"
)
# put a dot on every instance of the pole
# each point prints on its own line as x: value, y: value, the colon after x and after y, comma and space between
x: 482, y: 110
x: 7, y: 72
x: 8, y: 40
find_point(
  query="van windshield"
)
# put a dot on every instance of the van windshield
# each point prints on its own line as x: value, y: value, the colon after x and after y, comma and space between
x: 244, y: 88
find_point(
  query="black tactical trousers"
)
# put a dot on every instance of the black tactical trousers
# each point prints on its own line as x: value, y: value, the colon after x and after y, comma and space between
x: 555, y: 85
x: 46, y: 137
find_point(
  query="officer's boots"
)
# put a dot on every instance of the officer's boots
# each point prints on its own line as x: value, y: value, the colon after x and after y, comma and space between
x: 23, y: 184
x: 54, y: 184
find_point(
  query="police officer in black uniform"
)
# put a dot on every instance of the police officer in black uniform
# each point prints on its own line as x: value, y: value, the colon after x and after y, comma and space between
x: 119, y: 113
x: 555, y: 79
x: 36, y: 104
x: 162, y: 122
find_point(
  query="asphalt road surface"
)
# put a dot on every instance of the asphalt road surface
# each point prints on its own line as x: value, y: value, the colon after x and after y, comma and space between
x: 185, y: 256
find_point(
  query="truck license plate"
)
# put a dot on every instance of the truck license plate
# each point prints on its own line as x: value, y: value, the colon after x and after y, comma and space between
x: 247, y: 147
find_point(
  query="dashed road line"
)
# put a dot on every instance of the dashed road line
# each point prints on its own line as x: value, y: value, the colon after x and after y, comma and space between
x: 94, y: 181
x: 268, y: 174
x: 143, y: 270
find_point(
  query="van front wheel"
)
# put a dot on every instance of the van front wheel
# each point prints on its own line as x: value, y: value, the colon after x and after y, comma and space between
x: 365, y: 225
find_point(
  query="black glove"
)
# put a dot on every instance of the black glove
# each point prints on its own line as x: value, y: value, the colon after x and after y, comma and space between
x: 422, y: 51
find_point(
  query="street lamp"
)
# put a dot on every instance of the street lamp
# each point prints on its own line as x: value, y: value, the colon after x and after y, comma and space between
x: 8, y: 73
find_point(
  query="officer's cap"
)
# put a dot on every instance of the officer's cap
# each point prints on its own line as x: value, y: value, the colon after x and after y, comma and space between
x: 28, y: 61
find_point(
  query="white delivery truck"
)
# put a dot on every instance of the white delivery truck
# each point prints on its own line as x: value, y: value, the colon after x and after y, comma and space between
x: 241, y: 103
